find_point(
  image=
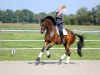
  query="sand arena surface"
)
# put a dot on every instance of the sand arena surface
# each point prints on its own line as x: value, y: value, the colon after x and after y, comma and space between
x: 75, y: 67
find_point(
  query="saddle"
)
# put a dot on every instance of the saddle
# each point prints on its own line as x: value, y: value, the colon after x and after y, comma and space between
x: 64, y: 31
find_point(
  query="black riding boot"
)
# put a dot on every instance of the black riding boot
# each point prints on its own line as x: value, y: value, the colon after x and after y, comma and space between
x: 62, y: 38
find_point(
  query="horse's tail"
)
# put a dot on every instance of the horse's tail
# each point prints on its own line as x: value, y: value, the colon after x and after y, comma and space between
x: 80, y: 44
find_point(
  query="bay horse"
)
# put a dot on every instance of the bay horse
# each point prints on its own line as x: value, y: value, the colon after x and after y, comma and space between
x: 52, y: 38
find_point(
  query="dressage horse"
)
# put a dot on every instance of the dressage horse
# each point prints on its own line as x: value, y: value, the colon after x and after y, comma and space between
x: 52, y: 38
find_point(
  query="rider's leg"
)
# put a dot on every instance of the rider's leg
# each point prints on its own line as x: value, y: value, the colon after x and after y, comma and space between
x: 61, y: 35
x: 60, y: 27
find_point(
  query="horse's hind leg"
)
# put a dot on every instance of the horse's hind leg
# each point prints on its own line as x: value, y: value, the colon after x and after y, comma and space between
x: 60, y: 61
x: 68, y: 53
x: 63, y: 56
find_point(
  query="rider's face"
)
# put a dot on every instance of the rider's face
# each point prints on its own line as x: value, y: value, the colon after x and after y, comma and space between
x: 59, y: 10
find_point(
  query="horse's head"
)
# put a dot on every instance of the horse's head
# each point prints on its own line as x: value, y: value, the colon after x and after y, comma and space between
x: 47, y: 24
x: 43, y: 26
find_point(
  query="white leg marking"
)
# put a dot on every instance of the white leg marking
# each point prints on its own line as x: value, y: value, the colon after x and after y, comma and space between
x: 40, y: 54
x: 48, y: 53
x: 68, y: 58
x: 63, y: 56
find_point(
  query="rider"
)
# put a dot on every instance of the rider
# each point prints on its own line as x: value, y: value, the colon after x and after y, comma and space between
x: 60, y: 20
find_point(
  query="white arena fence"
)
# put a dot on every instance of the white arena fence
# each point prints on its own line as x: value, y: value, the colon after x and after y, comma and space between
x: 50, y: 48
x: 40, y: 40
x: 76, y: 31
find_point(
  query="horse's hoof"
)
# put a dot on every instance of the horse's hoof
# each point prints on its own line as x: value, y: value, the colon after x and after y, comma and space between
x: 37, y: 62
x: 66, y: 63
x: 60, y: 61
x: 49, y: 56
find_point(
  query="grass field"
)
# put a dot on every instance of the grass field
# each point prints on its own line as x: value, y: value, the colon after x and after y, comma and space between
x: 32, y: 54
x: 55, y: 55
x: 33, y: 36
x: 37, y: 26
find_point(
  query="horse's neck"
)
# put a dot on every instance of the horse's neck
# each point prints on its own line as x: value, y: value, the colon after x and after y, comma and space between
x: 51, y: 31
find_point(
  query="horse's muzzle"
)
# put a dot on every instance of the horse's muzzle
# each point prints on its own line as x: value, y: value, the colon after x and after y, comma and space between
x: 41, y: 32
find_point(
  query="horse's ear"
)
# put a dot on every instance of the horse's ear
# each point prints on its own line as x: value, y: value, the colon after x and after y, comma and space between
x: 40, y: 21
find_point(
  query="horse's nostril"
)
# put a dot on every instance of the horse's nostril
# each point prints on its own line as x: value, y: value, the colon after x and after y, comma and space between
x: 41, y: 32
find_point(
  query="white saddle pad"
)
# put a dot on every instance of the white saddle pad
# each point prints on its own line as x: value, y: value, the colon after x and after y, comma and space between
x: 64, y: 31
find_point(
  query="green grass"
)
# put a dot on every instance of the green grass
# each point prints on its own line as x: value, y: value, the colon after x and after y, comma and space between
x: 37, y: 26
x: 82, y: 27
x: 32, y: 54
x: 21, y: 36
x: 55, y: 55
x: 38, y: 36
x: 40, y: 44
x: 19, y: 26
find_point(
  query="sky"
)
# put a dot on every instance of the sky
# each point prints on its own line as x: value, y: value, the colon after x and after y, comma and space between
x: 47, y: 6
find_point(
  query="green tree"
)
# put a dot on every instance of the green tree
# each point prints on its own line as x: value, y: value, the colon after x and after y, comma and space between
x: 18, y: 16
x: 24, y: 16
x: 83, y: 16
x: 53, y: 13
x: 66, y: 20
x: 73, y: 19
x: 40, y: 16
x: 1, y: 15
x: 96, y: 15
x: 7, y: 16
x: 27, y: 16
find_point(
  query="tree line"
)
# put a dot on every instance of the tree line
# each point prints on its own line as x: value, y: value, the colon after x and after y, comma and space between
x: 82, y: 17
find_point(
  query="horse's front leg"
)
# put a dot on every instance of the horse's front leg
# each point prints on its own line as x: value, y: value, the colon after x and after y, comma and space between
x: 42, y: 50
x: 47, y: 49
